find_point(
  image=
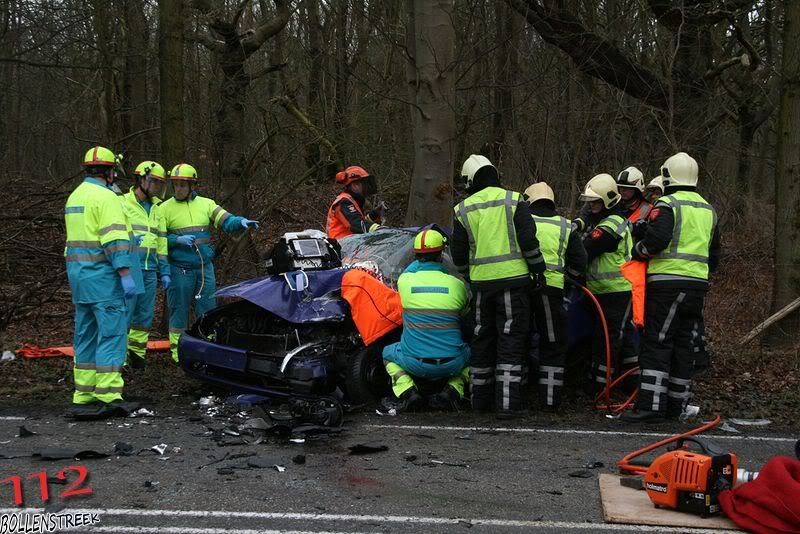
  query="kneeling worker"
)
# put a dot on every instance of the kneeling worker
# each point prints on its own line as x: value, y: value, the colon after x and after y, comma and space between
x: 431, y: 346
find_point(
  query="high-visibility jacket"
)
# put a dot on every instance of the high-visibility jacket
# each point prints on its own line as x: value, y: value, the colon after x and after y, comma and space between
x: 433, y: 303
x: 152, y: 227
x: 641, y: 212
x: 194, y: 216
x: 604, y: 274
x: 98, y: 243
x: 488, y: 218
x: 337, y: 225
x: 687, y: 252
x: 553, y: 234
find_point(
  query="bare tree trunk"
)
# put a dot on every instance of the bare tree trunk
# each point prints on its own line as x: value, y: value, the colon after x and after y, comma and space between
x: 102, y: 16
x: 342, y: 71
x: 432, y: 86
x: 506, y: 21
x: 787, y: 178
x: 314, y: 29
x: 170, y: 68
x: 134, y: 87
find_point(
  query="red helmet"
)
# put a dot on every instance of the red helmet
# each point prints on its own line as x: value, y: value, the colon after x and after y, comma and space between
x: 351, y: 174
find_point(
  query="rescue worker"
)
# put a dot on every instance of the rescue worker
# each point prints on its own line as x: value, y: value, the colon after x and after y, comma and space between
x: 608, y: 245
x: 346, y: 215
x: 98, y: 257
x: 495, y: 249
x: 682, y: 246
x: 141, y: 206
x: 431, y: 345
x: 563, y: 254
x: 633, y: 205
x: 187, y: 217
x: 654, y: 190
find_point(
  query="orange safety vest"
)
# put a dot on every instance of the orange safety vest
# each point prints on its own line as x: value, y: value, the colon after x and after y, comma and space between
x: 641, y: 212
x: 338, y: 226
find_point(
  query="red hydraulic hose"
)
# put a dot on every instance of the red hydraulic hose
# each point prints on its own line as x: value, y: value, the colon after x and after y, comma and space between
x: 603, y: 399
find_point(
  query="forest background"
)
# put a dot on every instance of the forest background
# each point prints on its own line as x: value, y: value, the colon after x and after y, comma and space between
x: 268, y: 98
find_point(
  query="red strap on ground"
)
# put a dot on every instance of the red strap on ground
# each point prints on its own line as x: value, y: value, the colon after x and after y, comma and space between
x: 33, y: 351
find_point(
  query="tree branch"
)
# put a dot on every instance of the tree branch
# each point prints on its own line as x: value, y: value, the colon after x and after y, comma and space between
x: 268, y: 28
x: 591, y: 53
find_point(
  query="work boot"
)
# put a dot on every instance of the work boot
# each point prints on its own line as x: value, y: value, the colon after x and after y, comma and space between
x: 446, y: 400
x: 642, y: 416
x: 411, y: 401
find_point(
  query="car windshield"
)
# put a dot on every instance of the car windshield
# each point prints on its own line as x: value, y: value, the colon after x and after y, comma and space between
x: 385, y: 252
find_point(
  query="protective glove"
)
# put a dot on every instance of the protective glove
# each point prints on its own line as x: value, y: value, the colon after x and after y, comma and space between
x: 166, y: 280
x: 539, y: 282
x: 248, y: 223
x: 578, y: 225
x: 186, y: 240
x: 638, y: 229
x: 128, y: 286
x: 137, y: 240
x: 375, y: 216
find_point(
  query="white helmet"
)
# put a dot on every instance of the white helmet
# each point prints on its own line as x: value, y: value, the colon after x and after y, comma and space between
x: 471, y: 167
x: 601, y: 187
x: 680, y: 169
x: 539, y: 191
x: 631, y: 177
x: 656, y: 183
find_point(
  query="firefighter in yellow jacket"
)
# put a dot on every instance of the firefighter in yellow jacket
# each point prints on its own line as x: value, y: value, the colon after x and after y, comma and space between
x: 188, y: 217
x: 98, y: 255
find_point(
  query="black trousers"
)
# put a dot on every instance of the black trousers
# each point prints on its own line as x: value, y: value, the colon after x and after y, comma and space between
x: 549, y: 319
x: 499, y: 348
x: 673, y: 348
x: 617, y: 310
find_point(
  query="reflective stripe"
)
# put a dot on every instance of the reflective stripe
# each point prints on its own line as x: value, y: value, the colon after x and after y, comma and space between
x: 503, y: 375
x: 111, y: 228
x: 118, y: 248
x: 215, y: 212
x: 550, y: 380
x: 432, y: 326
x: 85, y: 257
x: 189, y: 230
x: 89, y: 366
x: 140, y: 227
x: 84, y: 244
x: 432, y: 311
x: 509, y: 367
x: 657, y: 387
x: 662, y: 335
x: 159, y: 233
x: 109, y: 369
x: 551, y: 334
x: 481, y: 381
x: 101, y: 391
x: 509, y: 312
x: 85, y: 388
x: 679, y: 381
x: 478, y: 315
x: 496, y: 259
x: 671, y: 277
x: 225, y: 218
x: 74, y: 209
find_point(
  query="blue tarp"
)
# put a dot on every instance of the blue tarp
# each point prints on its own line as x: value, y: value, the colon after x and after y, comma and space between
x: 320, y: 301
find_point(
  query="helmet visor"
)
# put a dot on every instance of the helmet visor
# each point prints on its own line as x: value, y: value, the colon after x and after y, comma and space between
x: 369, y: 185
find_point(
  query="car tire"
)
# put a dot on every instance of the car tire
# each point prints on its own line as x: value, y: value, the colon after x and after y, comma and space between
x: 366, y: 380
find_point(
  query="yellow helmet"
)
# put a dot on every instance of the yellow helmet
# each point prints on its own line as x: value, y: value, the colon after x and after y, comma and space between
x: 99, y: 156
x: 152, y: 169
x: 631, y: 177
x: 680, y: 169
x: 601, y: 187
x: 539, y: 191
x: 471, y: 166
x: 429, y: 240
x: 183, y: 171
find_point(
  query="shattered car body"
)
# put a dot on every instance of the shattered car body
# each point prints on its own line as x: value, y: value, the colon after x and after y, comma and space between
x: 293, y: 334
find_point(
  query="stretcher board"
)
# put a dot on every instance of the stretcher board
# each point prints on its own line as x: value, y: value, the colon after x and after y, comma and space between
x: 633, y: 507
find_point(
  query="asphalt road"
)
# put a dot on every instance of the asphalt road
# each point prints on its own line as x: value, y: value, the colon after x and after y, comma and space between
x: 441, y: 473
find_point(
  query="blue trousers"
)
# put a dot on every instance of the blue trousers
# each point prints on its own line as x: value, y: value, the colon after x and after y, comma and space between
x: 141, y: 309
x: 186, y: 285
x: 417, y: 367
x: 99, y: 341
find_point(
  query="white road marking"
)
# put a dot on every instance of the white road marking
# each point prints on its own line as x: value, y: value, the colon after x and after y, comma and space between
x: 188, y: 530
x: 11, y: 418
x: 295, y: 516
x: 571, y: 431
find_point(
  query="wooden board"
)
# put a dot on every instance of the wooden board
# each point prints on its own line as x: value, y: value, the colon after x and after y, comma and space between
x: 633, y: 507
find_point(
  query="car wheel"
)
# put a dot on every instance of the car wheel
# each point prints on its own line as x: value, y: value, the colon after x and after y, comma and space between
x: 367, y: 380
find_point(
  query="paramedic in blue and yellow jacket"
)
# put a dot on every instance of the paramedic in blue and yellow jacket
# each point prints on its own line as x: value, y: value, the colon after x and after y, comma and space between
x: 99, y: 259
x: 188, y: 218
x: 141, y: 206
x: 431, y: 346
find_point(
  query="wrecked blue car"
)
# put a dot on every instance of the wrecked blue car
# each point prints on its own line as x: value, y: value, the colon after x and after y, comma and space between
x: 292, y: 334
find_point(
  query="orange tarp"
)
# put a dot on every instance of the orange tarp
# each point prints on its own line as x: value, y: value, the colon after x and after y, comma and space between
x: 375, y: 308
x: 635, y: 271
x: 32, y: 351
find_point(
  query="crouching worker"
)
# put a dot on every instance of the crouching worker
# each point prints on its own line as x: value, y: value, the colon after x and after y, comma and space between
x: 431, y: 346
